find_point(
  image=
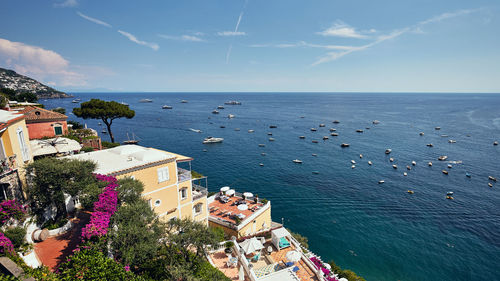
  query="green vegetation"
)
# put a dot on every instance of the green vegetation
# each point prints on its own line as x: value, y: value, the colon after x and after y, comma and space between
x: 59, y: 110
x: 107, y: 111
x: 76, y: 125
x: 20, y: 97
x: 196, y: 175
x: 345, y: 273
x: 16, y: 236
x: 301, y: 239
x: 107, y: 144
x: 87, y: 149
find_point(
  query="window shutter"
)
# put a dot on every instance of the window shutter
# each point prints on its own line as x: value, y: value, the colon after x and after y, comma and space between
x: 22, y: 144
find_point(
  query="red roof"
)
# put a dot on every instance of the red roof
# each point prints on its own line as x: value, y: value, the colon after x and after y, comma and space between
x: 38, y: 114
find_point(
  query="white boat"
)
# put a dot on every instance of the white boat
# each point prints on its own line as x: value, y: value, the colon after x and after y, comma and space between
x: 251, y: 131
x: 184, y: 101
x: 361, y: 156
x: 260, y: 164
x: 492, y: 178
x: 124, y: 103
x: 353, y: 162
x: 215, y: 111
x: 333, y: 129
x: 405, y: 174
x: 391, y: 159
x: 195, y: 130
x: 232, y: 102
x: 220, y: 107
x: 344, y: 145
x: 314, y: 154
x: 395, y: 166
x: 430, y: 145
x: 376, y: 122
x: 353, y: 166
x: 388, y: 151
x: 495, y: 143
x: 381, y: 181
x: 413, y: 163
x: 261, y: 145
x: 452, y: 141
x: 442, y: 158
x: 322, y: 125
x: 450, y: 166
x: 230, y: 116
x: 430, y: 164
x: 449, y: 193
x: 297, y: 161
x: 212, y: 140
x: 421, y: 133
x: 271, y: 139
x: 75, y: 101
x: 146, y: 100
x: 370, y: 163
x: 166, y: 107
x: 313, y: 129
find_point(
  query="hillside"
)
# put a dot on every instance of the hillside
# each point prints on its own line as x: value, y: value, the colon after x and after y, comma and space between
x: 21, y: 84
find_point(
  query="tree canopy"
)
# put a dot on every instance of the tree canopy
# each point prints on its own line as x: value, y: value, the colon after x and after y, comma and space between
x: 107, y: 111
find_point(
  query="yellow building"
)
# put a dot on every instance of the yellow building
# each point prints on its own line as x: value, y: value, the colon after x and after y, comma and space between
x: 169, y: 189
x: 15, y: 153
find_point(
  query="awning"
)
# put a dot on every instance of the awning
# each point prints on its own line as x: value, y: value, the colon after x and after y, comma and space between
x: 251, y: 245
x: 54, y: 146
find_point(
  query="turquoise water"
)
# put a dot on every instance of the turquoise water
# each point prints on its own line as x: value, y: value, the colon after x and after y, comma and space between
x: 377, y: 230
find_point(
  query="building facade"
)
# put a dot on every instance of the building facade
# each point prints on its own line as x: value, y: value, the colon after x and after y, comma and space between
x: 168, y: 188
x: 44, y: 123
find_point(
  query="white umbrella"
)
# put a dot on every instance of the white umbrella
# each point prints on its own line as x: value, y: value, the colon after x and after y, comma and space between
x: 248, y: 195
x: 67, y: 145
x: 224, y: 188
x: 328, y: 266
x: 41, y: 148
x: 251, y: 245
x: 230, y: 192
x: 242, y: 207
x: 241, y: 216
x: 293, y: 256
x: 241, y: 274
x: 343, y: 279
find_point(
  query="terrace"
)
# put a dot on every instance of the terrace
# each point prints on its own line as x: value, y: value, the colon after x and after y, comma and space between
x: 183, y: 174
x: 225, y: 208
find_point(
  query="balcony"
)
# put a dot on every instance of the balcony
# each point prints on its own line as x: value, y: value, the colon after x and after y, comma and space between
x: 183, y: 175
x: 8, y: 164
x: 199, y: 192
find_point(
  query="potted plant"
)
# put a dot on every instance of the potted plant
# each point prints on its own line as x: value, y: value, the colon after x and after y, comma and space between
x: 228, y: 245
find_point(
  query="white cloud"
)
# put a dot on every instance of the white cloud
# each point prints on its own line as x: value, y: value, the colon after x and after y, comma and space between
x: 134, y: 39
x: 190, y: 38
x: 341, y: 29
x: 94, y: 20
x: 331, y: 56
x: 66, y: 4
x: 303, y: 44
x: 231, y: 33
x: 39, y: 63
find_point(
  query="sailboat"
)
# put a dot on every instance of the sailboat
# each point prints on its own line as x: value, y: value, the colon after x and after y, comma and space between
x: 131, y: 141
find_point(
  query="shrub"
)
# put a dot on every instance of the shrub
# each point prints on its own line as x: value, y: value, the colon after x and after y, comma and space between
x: 16, y: 236
x: 107, y: 144
x: 11, y: 209
x: 301, y: 239
x: 76, y: 125
x: 6, y: 246
x: 263, y: 201
x: 51, y: 224
x: 87, y: 149
x: 60, y: 110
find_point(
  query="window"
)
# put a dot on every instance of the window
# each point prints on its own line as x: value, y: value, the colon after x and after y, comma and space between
x: 184, y: 193
x: 163, y: 174
x: 58, y: 130
x: 157, y: 202
x: 197, y: 208
x: 2, y: 150
x: 24, y: 148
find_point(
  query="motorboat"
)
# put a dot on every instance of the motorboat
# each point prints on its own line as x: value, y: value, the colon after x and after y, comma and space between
x: 450, y: 166
x: 335, y: 121
x: 490, y: 185
x: 260, y: 164
x: 408, y: 168
x: 325, y: 138
x: 468, y: 175
x: 220, y: 107
x: 495, y: 143
x: 445, y: 172
x: 297, y: 161
x: 314, y: 154
x: 236, y: 129
x: 405, y: 174
x: 222, y: 126
x: 212, y: 140
x: 314, y: 141
x: 315, y: 172
x: 271, y: 139
x: 381, y: 181
x: 361, y: 156
x: 215, y: 111
x: 391, y: 159
x: 230, y: 116
x: 375, y: 122
x: 146, y: 100
x: 430, y: 145
x: 195, y: 130
x: 313, y: 129
x: 344, y: 145
x: 421, y: 133
x: 334, y: 134
x: 75, y: 101
x: 333, y: 129
x: 370, y: 163
x: 492, y: 178
x: 353, y: 162
x: 302, y: 137
x: 353, y: 166
x: 442, y: 158
x: 413, y: 163
x: 269, y: 134
x: 359, y: 131
x: 261, y: 145
x: 232, y: 102
x: 450, y: 193
x: 322, y: 125
x: 449, y: 197
x: 263, y: 154
x: 437, y: 128
x: 166, y: 107
x: 124, y: 103
x: 430, y: 163
x: 251, y: 131
x: 452, y: 141
x: 388, y: 151
x: 273, y: 126
x: 184, y: 101
x: 395, y: 166
x: 444, y: 136
x: 104, y: 131
x: 204, y: 150
x: 411, y: 191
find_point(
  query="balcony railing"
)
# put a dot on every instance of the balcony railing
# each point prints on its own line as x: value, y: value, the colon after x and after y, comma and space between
x: 8, y: 164
x: 183, y: 175
x: 199, y: 192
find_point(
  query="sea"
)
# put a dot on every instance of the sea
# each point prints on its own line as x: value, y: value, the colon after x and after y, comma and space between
x: 380, y: 231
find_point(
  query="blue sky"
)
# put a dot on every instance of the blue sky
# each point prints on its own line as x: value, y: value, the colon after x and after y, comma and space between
x: 254, y: 45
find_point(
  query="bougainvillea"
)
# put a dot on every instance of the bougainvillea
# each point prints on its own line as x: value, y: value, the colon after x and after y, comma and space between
x: 5, y: 244
x: 104, y: 208
x: 11, y: 209
x: 319, y: 264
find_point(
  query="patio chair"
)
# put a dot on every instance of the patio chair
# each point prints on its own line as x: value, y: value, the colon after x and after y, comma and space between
x: 256, y: 257
x: 295, y: 269
x: 284, y: 243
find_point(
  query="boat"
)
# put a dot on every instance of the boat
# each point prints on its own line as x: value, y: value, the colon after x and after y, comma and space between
x: 388, y: 151
x: 195, y: 130
x: 452, y: 141
x: 490, y: 185
x: 421, y: 133
x: 232, y: 102
x: 335, y: 121
x: 430, y: 145
x: 408, y: 168
x: 353, y: 166
x: 492, y: 178
x: 370, y: 163
x: 450, y: 193
x: 344, y: 145
x: 220, y: 107
x: 381, y: 181
x: 75, y: 101
x: 314, y: 154
x: 437, y: 128
x: 353, y: 162
x: 215, y: 111
x: 468, y: 175
x: 430, y: 163
x: 271, y: 139
x: 260, y: 164
x: 334, y: 134
x: 314, y: 141
x: 146, y: 100
x: 450, y: 166
x: 166, y: 107
x: 359, y: 131
x: 222, y: 126
x: 315, y: 172
x: 297, y: 161
x: 391, y: 159
x: 361, y: 156
x: 405, y: 174
x: 368, y: 128
x: 313, y: 129
x: 184, y: 101
x: 395, y: 166
x: 261, y: 145
x: 495, y: 143
x: 442, y: 158
x: 413, y: 163
x: 449, y: 197
x: 124, y: 103
x: 131, y: 141
x: 411, y: 191
x: 204, y: 150
x: 445, y: 172
x: 333, y: 129
x: 263, y: 154
x: 99, y: 123
x: 273, y: 126
x: 302, y: 137
x: 322, y: 125
x: 230, y: 116
x: 444, y: 136
x: 375, y: 122
x: 325, y: 138
x: 251, y: 131
x: 302, y: 117
x: 236, y: 129
x: 269, y: 134
x: 212, y: 140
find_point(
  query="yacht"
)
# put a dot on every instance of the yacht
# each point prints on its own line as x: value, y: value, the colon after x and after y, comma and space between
x: 184, y: 101
x: 273, y: 126
x: 322, y: 125
x: 405, y: 174
x: 75, y: 101
x: 166, y: 107
x: 146, y: 100
x: 124, y: 103
x: 450, y: 193
x: 344, y: 145
x: 442, y: 158
x: 370, y: 163
x: 492, y: 178
x: 212, y: 140
x: 388, y: 151
x: 430, y: 164
x: 325, y: 138
x: 395, y: 166
x: 333, y: 129
x: 490, y: 185
x: 195, y: 130
x: 359, y: 131
x: 353, y: 166
x: 220, y: 107
x: 334, y: 134
x: 251, y: 131
x: 230, y: 116
x: 132, y: 140
x: 381, y: 181
x: 361, y: 156
x: 495, y: 143
x: 413, y: 163
x: 335, y: 121
x: 452, y: 141
x: 297, y: 161
x: 450, y: 166
x: 421, y: 133
x: 430, y: 145
x: 314, y: 154
x: 313, y: 129
x: 215, y: 111
x: 261, y: 164
x: 375, y: 122
x: 353, y: 162
x: 232, y: 102
x: 391, y: 159
x: 302, y: 137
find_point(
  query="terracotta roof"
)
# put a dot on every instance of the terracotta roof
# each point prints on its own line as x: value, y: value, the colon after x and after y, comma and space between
x: 8, y: 117
x: 34, y: 113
